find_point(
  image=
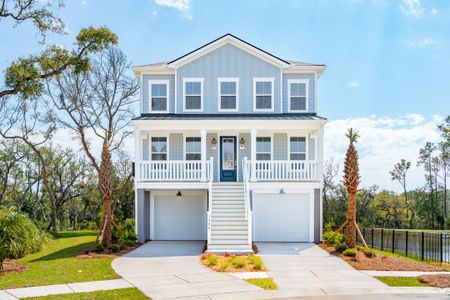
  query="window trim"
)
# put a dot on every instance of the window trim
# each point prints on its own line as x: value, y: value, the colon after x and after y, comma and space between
x: 150, y: 146
x: 306, y: 147
x: 167, y: 83
x: 271, y: 146
x: 193, y: 79
x: 185, y: 146
x: 264, y: 79
x: 219, y: 93
x: 306, y: 82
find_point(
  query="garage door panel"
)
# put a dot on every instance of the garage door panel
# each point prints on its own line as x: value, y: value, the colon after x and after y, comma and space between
x: 180, y: 218
x: 281, y: 218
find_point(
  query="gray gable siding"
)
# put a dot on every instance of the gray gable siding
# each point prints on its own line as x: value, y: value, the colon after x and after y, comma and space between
x: 228, y: 61
x: 311, y: 92
x: 145, y: 90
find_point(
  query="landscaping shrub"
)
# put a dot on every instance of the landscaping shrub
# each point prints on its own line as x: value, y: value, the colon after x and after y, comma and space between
x: 88, y: 225
x: 125, y: 232
x: 350, y: 252
x: 238, y: 262
x: 211, y: 260
x: 368, y: 253
x: 341, y: 247
x: 99, y: 248
x: 115, y: 247
x: 256, y: 261
x: 223, y: 265
x: 332, y: 237
x: 19, y: 236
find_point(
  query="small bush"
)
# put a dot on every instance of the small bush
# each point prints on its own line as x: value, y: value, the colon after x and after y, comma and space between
x: 211, y: 260
x: 265, y: 283
x: 223, y: 265
x: 368, y: 253
x: 238, y: 262
x: 333, y: 238
x: 256, y: 261
x: 19, y: 236
x: 115, y: 247
x: 88, y: 225
x: 99, y: 248
x: 350, y: 252
x: 128, y: 230
x: 341, y: 247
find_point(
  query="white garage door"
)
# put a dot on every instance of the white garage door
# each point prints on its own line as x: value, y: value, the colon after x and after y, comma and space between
x: 281, y: 218
x: 180, y: 218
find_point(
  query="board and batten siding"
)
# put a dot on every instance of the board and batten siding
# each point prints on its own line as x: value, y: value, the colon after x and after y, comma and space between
x: 228, y: 61
x: 311, y: 90
x: 146, y: 78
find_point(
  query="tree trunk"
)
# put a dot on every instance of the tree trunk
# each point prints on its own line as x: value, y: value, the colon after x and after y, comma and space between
x: 350, y: 232
x: 106, y: 189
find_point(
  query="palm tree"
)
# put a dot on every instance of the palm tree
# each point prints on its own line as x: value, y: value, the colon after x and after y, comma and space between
x: 351, y: 182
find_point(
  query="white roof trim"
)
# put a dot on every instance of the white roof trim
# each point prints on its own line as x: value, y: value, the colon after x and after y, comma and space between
x: 228, y: 39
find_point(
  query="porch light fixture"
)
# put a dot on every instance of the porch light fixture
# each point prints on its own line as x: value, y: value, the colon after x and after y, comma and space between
x: 179, y: 194
x: 242, y: 143
x: 214, y: 143
x: 282, y: 192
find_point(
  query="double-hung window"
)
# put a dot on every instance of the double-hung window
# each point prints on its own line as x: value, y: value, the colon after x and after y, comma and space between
x: 263, y: 94
x: 159, y: 95
x: 193, y: 94
x: 297, y: 148
x: 263, y: 148
x: 228, y: 94
x: 298, y: 95
x: 159, y: 148
x: 193, y: 148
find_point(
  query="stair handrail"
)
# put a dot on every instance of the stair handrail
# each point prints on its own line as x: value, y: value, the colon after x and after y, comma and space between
x: 210, y: 184
x: 246, y: 189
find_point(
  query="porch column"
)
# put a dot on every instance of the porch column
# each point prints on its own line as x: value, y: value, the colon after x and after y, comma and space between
x: 319, y: 157
x: 137, y: 151
x: 253, y: 133
x: 203, y: 153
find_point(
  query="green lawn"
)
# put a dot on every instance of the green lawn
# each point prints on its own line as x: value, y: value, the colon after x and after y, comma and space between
x: 57, y: 263
x: 131, y: 293
x: 265, y: 283
x: 400, y: 281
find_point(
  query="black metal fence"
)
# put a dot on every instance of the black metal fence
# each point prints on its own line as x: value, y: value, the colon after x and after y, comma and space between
x: 429, y: 246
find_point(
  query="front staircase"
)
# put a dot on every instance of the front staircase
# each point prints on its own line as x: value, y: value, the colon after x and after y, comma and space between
x: 229, y: 223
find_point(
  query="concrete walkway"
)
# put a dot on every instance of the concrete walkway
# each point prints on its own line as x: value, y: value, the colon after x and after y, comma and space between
x: 79, y: 287
x: 402, y: 273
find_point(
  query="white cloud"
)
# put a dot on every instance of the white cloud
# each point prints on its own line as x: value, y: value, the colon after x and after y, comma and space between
x: 184, y: 6
x: 154, y: 13
x: 383, y: 142
x: 84, y: 2
x: 415, y: 9
x: 353, y: 83
x: 425, y: 41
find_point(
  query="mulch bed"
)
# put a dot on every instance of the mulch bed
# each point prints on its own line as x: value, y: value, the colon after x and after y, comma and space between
x: 440, y: 281
x: 12, y: 266
x: 87, y: 252
x: 381, y: 262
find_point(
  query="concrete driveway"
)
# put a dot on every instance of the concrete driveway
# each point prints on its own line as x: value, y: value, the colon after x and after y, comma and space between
x: 167, y: 270
x: 305, y: 267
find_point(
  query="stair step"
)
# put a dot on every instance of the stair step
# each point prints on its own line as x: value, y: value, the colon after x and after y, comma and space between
x: 233, y: 228
x: 217, y: 234
x: 229, y: 242
x: 228, y: 209
x: 228, y: 206
x: 229, y: 222
x: 228, y: 214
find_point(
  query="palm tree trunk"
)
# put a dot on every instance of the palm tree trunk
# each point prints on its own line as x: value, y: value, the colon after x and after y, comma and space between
x: 106, y: 189
x: 350, y: 232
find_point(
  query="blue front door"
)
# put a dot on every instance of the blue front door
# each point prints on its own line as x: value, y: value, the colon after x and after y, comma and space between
x: 228, y: 158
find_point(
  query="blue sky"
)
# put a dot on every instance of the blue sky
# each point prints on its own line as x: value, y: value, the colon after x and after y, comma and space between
x: 388, y: 60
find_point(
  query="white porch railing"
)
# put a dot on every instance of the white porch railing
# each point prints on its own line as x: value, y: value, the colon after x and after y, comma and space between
x: 175, y: 170
x: 283, y: 170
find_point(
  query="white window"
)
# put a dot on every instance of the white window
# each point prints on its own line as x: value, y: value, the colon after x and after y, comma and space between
x: 298, y: 95
x: 159, y: 148
x: 193, y: 94
x: 263, y: 148
x: 193, y: 150
x: 228, y: 94
x: 263, y: 94
x: 159, y: 95
x: 297, y: 148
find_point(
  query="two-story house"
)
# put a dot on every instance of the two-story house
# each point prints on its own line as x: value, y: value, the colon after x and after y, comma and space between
x: 229, y: 148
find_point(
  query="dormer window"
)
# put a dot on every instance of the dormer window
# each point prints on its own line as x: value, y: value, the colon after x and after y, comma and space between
x: 193, y: 94
x: 298, y: 95
x: 159, y: 95
x: 263, y: 94
x: 228, y: 94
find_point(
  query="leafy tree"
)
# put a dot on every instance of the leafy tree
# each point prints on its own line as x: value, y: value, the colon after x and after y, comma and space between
x: 399, y: 174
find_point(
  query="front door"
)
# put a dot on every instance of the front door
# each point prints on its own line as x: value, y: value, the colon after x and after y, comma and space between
x: 228, y: 158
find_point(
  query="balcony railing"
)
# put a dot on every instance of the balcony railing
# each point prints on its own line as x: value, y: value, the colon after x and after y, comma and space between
x: 174, y: 170
x: 283, y: 170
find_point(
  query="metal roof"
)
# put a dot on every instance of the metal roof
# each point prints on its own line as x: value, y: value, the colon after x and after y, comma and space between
x: 238, y: 116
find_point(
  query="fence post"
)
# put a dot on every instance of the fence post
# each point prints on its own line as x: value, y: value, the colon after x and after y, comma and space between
x: 393, y: 241
x: 406, y: 247
x: 442, y: 247
x: 423, y: 244
x: 382, y: 239
x: 372, y: 237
